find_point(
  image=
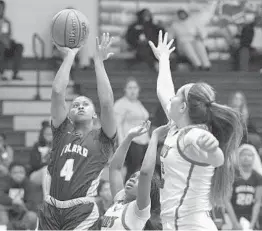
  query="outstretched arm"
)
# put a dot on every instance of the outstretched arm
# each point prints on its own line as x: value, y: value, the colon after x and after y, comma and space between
x: 58, y: 103
x: 117, y: 162
x: 104, y: 90
x: 148, y: 167
x: 165, y: 86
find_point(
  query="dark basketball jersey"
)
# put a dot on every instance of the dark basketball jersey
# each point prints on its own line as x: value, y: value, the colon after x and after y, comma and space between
x: 76, y: 163
x: 243, y: 196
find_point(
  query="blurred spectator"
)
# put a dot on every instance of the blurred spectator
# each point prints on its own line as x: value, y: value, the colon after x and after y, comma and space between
x: 130, y: 112
x: 17, y: 196
x: 40, y: 152
x: 8, y: 47
x: 238, y: 102
x: 6, y: 155
x: 245, y: 201
x: 190, y: 40
x: 246, y: 38
x: 104, y: 198
x: 138, y: 35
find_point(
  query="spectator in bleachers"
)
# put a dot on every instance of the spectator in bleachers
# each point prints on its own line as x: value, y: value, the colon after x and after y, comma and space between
x: 130, y: 113
x: 190, y: 40
x: 104, y: 198
x: 138, y: 35
x: 40, y: 152
x: 8, y: 47
x: 17, y: 195
x: 238, y: 101
x: 246, y: 39
x: 245, y: 201
x: 6, y: 155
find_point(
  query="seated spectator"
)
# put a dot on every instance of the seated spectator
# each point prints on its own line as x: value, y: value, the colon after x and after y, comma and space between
x: 190, y: 40
x: 130, y: 113
x: 238, y: 102
x: 40, y: 152
x: 17, y: 196
x: 245, y: 201
x: 246, y: 39
x: 104, y: 198
x: 8, y: 47
x: 138, y: 35
x: 6, y: 155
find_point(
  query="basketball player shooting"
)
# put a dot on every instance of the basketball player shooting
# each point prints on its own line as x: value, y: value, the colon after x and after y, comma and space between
x: 197, y: 159
x: 79, y: 151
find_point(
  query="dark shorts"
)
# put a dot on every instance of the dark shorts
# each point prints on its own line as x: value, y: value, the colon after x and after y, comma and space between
x: 80, y: 217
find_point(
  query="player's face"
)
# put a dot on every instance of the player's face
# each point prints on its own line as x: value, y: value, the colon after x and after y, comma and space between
x: 18, y: 174
x: 82, y: 109
x: 132, y: 185
x: 48, y: 134
x: 105, y: 192
x: 246, y: 159
x: 177, y: 106
x: 132, y: 90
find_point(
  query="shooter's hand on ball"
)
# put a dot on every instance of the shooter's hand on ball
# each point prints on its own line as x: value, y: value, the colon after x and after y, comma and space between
x: 103, y: 48
x: 67, y: 51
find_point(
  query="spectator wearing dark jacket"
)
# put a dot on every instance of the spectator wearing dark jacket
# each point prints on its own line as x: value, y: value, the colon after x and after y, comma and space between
x: 8, y: 47
x: 17, y: 195
x: 138, y: 35
x: 40, y: 152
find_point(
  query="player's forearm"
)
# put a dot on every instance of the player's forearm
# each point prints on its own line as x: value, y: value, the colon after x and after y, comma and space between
x: 104, y: 89
x: 255, y: 213
x: 165, y: 86
x: 231, y: 213
x: 149, y: 161
x: 62, y: 76
x: 120, y: 154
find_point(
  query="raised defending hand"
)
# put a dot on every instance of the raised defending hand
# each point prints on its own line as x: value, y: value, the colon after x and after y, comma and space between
x: 103, y: 48
x: 163, y: 48
x: 207, y: 142
x: 139, y: 130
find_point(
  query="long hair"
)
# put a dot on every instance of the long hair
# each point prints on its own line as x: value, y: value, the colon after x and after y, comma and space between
x: 226, y: 125
x: 41, y: 139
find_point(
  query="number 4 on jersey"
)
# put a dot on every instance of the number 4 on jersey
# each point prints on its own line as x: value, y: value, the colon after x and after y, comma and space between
x: 67, y: 171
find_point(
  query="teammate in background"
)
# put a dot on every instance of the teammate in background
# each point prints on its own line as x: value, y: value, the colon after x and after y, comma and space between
x: 132, y: 204
x: 79, y: 151
x: 197, y: 157
x: 246, y: 195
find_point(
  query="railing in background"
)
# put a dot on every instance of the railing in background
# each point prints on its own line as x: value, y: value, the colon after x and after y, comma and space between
x: 38, y: 41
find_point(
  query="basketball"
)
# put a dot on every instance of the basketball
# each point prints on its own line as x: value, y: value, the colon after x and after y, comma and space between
x: 69, y: 28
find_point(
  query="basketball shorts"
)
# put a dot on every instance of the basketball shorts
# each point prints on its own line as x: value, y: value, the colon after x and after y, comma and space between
x: 199, y: 221
x: 74, y: 214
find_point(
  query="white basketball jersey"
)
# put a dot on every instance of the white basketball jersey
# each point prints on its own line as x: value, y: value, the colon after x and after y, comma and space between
x: 122, y: 216
x: 185, y: 183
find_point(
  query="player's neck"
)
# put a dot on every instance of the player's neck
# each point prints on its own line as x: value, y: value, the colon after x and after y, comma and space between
x: 83, y: 128
x: 183, y: 122
x: 246, y: 172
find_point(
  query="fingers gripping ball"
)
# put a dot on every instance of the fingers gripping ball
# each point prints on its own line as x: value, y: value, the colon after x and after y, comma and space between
x: 70, y: 28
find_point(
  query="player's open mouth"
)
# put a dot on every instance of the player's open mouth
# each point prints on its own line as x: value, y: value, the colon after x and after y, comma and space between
x: 81, y: 113
x: 129, y: 185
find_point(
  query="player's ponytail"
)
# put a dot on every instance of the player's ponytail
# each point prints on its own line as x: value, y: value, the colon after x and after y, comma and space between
x: 226, y: 125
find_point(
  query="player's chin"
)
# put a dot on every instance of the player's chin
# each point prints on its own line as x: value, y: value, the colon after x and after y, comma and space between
x: 81, y: 118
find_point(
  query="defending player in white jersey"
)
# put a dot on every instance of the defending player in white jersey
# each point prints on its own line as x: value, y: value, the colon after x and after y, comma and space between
x: 132, y: 202
x: 197, y: 157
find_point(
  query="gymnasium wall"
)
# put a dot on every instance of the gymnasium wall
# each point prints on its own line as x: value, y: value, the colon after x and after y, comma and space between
x: 30, y: 16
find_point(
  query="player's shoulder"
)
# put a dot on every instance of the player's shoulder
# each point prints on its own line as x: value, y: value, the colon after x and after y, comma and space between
x: 193, y: 133
x: 256, y: 176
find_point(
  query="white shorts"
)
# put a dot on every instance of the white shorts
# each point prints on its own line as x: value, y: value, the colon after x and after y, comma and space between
x: 200, y: 221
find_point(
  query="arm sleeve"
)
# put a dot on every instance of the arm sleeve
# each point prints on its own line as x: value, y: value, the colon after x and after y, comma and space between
x: 134, y: 218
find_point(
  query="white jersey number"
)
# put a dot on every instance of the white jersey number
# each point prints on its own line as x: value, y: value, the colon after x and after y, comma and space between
x: 244, y: 199
x: 67, y: 171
